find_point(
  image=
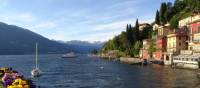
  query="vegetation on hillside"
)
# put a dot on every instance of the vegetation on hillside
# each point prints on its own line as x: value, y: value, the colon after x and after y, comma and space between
x: 181, y: 9
x: 129, y: 42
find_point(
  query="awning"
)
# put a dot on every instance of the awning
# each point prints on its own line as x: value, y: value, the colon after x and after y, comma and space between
x: 187, y: 56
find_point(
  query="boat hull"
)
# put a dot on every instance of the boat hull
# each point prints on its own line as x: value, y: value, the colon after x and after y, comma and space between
x: 36, y: 73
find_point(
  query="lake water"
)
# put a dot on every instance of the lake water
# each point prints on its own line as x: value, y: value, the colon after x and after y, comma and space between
x: 91, y: 72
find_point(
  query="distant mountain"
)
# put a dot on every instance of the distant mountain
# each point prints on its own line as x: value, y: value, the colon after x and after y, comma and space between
x: 83, y: 46
x: 84, y: 43
x: 17, y: 40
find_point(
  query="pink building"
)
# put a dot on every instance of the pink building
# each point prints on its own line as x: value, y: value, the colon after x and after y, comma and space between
x: 161, y: 45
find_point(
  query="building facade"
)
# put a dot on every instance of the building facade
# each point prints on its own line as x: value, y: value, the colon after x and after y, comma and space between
x: 175, y: 43
x: 161, y: 41
x: 194, y: 43
x: 143, y: 25
x: 144, y: 53
x: 161, y: 44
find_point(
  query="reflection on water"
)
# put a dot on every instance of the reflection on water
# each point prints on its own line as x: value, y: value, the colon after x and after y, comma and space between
x: 90, y: 72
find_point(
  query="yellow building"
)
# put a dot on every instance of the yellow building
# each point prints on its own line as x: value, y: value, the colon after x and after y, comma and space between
x: 175, y: 43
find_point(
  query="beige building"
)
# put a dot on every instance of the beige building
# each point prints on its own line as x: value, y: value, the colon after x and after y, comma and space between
x: 144, y: 54
x: 155, y: 27
x: 142, y: 26
x: 164, y: 30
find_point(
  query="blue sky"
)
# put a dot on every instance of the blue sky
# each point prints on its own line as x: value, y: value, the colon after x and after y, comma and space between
x: 87, y: 20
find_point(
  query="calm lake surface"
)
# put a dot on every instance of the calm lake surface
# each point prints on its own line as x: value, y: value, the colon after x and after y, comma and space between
x: 91, y: 72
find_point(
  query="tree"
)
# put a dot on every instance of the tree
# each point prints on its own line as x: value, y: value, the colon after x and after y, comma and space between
x: 151, y: 49
x: 147, y: 32
x: 157, y: 19
x: 179, y: 5
x: 169, y: 12
x: 137, y: 31
x: 163, y: 10
x: 129, y: 34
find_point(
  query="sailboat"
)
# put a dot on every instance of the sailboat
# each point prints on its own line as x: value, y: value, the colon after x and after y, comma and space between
x: 36, y: 72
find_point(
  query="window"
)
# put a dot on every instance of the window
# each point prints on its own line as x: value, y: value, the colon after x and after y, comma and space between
x: 199, y: 29
x: 190, y: 30
x: 174, y: 44
x: 179, y: 44
x: 179, y: 38
x: 167, y: 58
x: 187, y: 38
x: 191, y: 48
x: 187, y: 45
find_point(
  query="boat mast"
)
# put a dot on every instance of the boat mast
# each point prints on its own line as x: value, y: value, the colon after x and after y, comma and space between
x: 36, y: 56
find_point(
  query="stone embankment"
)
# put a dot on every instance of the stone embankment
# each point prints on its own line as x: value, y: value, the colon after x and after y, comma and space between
x: 130, y: 60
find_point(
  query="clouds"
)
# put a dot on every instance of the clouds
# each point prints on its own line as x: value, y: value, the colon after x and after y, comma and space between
x: 119, y: 25
x: 87, y: 20
x: 25, y: 17
x: 44, y: 25
x: 58, y: 36
x: 17, y: 17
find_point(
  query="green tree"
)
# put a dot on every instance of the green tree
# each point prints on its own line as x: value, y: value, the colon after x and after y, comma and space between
x: 179, y: 5
x: 157, y: 19
x: 137, y: 31
x: 151, y: 49
x: 169, y: 12
x: 129, y: 33
x: 147, y: 32
x: 163, y: 10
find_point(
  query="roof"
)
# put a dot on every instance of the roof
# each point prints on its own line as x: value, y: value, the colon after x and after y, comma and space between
x: 143, y: 24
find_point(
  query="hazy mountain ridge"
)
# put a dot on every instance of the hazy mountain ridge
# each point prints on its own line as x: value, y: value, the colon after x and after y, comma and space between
x: 83, y: 46
x: 17, y: 40
x: 86, y: 43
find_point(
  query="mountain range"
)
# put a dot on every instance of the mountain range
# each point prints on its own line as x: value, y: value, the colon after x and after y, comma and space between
x: 18, y: 40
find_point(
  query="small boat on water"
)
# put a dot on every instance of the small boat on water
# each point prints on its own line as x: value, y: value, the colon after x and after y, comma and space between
x: 69, y: 55
x: 36, y: 72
